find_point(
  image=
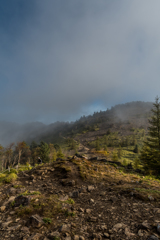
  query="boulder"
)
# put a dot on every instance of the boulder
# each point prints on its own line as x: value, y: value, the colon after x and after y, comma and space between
x: 22, y: 200
x: 35, y: 221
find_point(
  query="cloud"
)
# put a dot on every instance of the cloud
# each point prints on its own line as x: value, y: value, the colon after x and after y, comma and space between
x: 69, y: 55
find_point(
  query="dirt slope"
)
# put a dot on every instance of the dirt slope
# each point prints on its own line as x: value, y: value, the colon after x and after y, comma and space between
x: 78, y: 199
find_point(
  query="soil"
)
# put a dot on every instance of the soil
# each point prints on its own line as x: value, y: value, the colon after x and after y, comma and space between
x: 74, y: 200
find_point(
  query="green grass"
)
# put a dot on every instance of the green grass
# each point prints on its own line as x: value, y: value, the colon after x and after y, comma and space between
x: 70, y: 201
x: 26, y: 193
x: 152, y: 191
x: 69, y: 214
x: 18, y: 186
x: 47, y: 220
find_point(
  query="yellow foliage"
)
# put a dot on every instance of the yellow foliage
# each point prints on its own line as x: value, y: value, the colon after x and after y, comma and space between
x: 11, y: 177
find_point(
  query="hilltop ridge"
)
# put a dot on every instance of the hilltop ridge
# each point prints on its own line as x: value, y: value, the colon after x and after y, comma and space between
x: 135, y: 113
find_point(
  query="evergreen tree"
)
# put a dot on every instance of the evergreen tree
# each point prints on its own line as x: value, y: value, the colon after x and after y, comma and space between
x: 44, y: 151
x: 119, y: 152
x: 150, y: 154
x: 60, y: 154
x: 136, y: 149
x: 136, y: 163
x: 97, y: 144
x: 114, y: 157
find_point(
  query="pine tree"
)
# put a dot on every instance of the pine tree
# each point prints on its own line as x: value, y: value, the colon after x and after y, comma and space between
x: 150, y: 154
x: 44, y: 151
x: 136, y: 149
x: 119, y: 152
x: 136, y: 163
x: 97, y: 144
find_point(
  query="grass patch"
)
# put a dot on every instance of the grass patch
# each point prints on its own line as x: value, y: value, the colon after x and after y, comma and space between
x: 70, y: 201
x: 25, y: 211
x: 69, y: 214
x: 47, y: 220
x: 26, y: 193
x: 152, y: 191
x: 18, y: 186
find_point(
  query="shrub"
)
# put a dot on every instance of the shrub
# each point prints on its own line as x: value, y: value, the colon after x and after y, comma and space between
x: 70, y: 201
x: 47, y: 220
x: 11, y: 177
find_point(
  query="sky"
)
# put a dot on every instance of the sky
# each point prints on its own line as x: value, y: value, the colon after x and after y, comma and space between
x: 62, y: 59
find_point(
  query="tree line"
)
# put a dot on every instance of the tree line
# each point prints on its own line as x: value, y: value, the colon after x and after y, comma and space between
x: 21, y: 153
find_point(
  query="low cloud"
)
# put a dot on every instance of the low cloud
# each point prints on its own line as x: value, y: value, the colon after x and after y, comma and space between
x: 72, y: 56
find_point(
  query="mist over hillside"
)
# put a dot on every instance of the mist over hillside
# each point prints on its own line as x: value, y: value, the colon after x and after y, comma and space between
x: 135, y: 112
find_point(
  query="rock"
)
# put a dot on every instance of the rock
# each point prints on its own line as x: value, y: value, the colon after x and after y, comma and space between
x: 81, y: 210
x: 91, y: 200
x: 92, y: 219
x: 106, y: 235
x: 90, y: 188
x: 54, y: 235
x: 63, y: 198
x: 35, y: 236
x: 12, y: 212
x: 93, y: 158
x: 128, y: 233
x: 158, y: 228
x: 12, y: 191
x: 25, y: 229
x: 88, y: 211
x: 59, y: 159
x: 83, y: 190
x: 118, y: 226
x: 13, y: 228
x: 72, y: 183
x: 81, y: 238
x: 68, y: 238
x: 146, y: 225
x: 22, y: 200
x: 76, y: 237
x: 156, y: 210
x: 78, y: 155
x: 151, y: 198
x: 11, y: 199
x: 75, y: 194
x: 35, y: 221
x: 2, y: 209
x: 140, y: 233
x: 152, y: 237
x: 32, y: 177
x: 103, y: 160
x: 96, y: 236
x: 5, y: 224
x: 65, y: 228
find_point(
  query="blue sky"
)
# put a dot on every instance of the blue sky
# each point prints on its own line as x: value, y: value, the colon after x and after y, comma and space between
x: 63, y: 59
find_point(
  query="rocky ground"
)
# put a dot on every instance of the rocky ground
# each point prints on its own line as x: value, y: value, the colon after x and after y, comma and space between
x: 79, y: 199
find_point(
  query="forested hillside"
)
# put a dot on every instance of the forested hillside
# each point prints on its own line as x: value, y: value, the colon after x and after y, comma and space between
x: 121, y: 118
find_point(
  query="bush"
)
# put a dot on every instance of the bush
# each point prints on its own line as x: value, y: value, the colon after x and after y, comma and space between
x: 47, y: 220
x: 11, y: 177
x: 13, y: 171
